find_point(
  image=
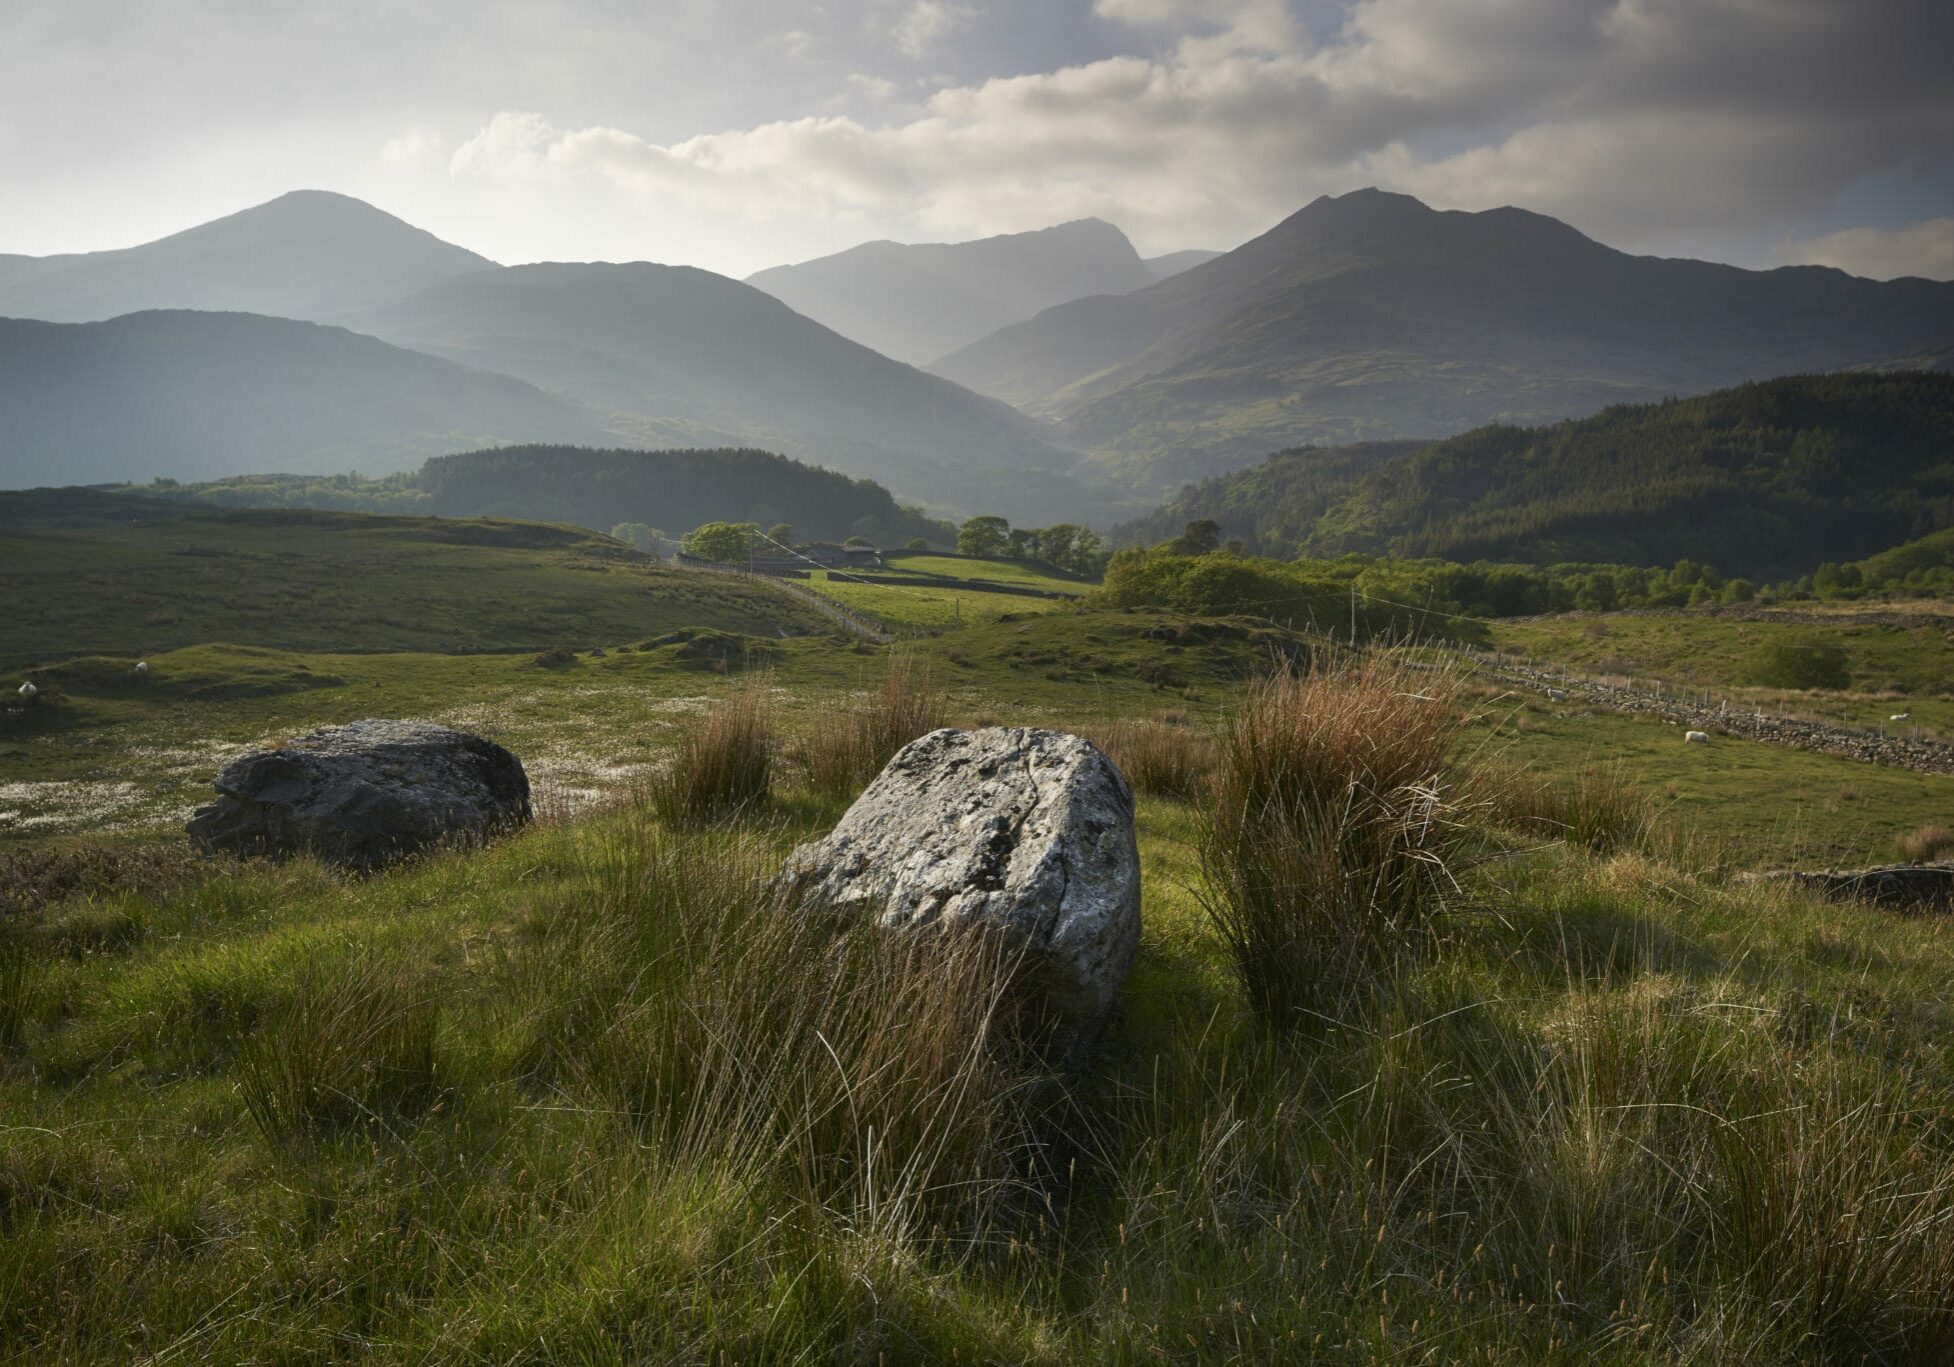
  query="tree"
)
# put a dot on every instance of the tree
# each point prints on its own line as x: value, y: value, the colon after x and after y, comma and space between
x: 916, y: 543
x: 781, y: 532
x: 1199, y: 537
x: 984, y: 536
x: 727, y: 542
x: 639, y: 534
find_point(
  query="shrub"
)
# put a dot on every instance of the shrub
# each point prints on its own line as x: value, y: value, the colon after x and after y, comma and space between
x: 1798, y: 663
x: 1930, y: 841
x: 1163, y: 759
x: 724, y: 760
x: 555, y: 657
x: 353, y: 1042
x: 847, y: 751
x: 1597, y: 808
x: 1323, y: 850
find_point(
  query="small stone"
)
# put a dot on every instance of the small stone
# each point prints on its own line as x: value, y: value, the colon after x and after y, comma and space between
x: 360, y: 795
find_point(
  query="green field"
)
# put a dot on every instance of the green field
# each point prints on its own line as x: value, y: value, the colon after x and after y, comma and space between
x: 544, y: 1101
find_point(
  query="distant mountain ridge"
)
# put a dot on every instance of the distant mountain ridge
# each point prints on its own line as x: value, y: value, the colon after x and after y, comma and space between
x: 1372, y: 317
x: 681, y: 356
x: 918, y: 302
x: 1766, y: 479
x: 308, y: 254
x: 201, y: 395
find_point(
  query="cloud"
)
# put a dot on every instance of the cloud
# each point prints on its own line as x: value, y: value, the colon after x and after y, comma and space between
x: 419, y: 146
x: 1634, y: 119
x: 1924, y: 249
x: 924, y: 22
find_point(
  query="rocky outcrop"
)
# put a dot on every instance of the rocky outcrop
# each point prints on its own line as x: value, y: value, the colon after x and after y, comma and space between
x: 1025, y: 830
x: 360, y: 795
x: 1903, y: 887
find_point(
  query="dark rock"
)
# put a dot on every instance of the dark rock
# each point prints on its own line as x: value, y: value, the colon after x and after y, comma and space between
x: 1903, y: 887
x: 1028, y: 831
x: 360, y: 795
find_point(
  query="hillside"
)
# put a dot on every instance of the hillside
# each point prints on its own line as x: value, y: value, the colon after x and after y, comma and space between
x: 1373, y: 317
x: 103, y: 574
x: 307, y: 254
x: 1765, y: 480
x: 671, y: 490
x: 920, y: 301
x: 204, y: 395
x: 687, y: 357
x: 1173, y: 263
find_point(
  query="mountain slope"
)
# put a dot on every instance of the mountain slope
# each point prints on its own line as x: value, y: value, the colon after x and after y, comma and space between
x: 917, y: 302
x: 308, y: 254
x: 689, y: 357
x: 671, y: 490
x: 1173, y: 263
x: 1766, y: 479
x: 201, y: 395
x: 1371, y: 316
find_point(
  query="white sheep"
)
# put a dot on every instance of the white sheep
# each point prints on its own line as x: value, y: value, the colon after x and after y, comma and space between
x: 1557, y: 695
x: 1696, y: 737
x: 28, y: 691
x: 142, y: 666
x: 1900, y: 716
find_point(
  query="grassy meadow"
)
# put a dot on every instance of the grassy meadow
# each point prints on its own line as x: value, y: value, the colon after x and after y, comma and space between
x: 1451, y: 1039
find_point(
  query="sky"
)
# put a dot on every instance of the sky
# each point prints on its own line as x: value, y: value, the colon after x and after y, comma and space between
x: 739, y: 134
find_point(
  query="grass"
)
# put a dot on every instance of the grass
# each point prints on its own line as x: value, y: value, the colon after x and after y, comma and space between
x: 1024, y: 573
x: 724, y: 761
x: 1931, y: 841
x: 841, y: 754
x: 910, y: 608
x: 1163, y: 758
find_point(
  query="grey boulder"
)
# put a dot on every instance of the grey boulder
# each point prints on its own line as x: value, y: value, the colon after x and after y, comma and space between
x: 362, y: 794
x: 1025, y: 830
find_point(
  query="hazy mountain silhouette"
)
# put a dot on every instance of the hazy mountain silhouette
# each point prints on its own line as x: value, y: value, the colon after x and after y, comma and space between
x: 678, y: 351
x: 1173, y: 263
x: 202, y: 395
x: 918, y: 302
x: 1371, y: 316
x: 307, y: 254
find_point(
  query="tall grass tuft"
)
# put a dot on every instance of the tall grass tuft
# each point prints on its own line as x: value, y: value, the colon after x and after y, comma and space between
x: 1324, y: 848
x: 354, y: 1042
x: 17, y: 975
x: 1931, y: 841
x: 846, y: 752
x: 724, y: 760
x: 1596, y: 809
x: 1158, y: 758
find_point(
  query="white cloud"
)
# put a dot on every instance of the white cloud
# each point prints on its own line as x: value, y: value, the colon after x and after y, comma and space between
x: 926, y: 21
x: 419, y: 146
x: 1923, y: 249
x: 1634, y: 119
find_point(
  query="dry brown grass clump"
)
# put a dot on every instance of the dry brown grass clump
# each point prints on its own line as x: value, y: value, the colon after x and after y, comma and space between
x: 1325, y: 843
x: 1597, y: 808
x: 1931, y: 841
x: 1159, y: 757
x: 724, y: 760
x: 847, y: 750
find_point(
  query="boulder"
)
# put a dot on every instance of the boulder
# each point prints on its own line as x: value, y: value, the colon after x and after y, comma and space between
x: 1902, y: 887
x: 362, y: 794
x: 1026, y: 830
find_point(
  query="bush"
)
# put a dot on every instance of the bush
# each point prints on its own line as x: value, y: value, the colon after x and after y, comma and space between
x: 1807, y: 663
x: 1930, y: 841
x: 847, y: 751
x: 354, y: 1042
x: 1158, y: 758
x: 1323, y: 850
x: 724, y: 760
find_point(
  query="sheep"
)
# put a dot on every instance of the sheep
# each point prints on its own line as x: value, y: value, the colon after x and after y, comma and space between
x: 29, y: 692
x: 142, y: 666
x: 1900, y: 716
x: 1557, y: 695
x: 1696, y: 737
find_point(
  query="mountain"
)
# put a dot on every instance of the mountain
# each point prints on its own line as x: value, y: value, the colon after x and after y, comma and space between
x: 671, y: 490
x: 686, y: 357
x: 1371, y: 317
x: 1767, y: 479
x: 1173, y: 263
x: 200, y: 395
x: 920, y: 302
x: 308, y: 254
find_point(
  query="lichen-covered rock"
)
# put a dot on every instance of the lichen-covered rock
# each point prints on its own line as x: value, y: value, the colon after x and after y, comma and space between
x: 362, y: 794
x: 1025, y: 830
